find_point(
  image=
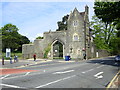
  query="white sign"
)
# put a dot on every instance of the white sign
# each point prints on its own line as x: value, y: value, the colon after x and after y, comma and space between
x: 55, y: 50
x: 8, y: 52
x: 96, y: 54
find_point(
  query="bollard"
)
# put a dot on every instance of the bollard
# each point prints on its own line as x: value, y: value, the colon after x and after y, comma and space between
x: 3, y: 61
x: 10, y: 60
x: 16, y: 58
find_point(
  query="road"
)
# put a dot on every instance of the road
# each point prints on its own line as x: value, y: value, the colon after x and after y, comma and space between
x: 84, y: 74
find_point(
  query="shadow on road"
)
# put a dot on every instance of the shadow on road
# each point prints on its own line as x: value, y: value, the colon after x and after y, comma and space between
x: 106, y: 61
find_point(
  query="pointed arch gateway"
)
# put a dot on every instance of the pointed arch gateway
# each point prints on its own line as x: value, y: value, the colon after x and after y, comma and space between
x: 57, y: 49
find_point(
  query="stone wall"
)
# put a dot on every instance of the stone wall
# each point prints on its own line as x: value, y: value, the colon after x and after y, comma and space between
x: 39, y: 47
x: 102, y: 53
x: 50, y: 37
x: 27, y: 51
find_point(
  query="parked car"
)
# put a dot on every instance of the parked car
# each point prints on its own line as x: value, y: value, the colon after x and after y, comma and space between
x: 117, y: 58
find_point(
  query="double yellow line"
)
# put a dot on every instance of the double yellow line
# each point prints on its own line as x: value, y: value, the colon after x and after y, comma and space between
x: 110, y: 84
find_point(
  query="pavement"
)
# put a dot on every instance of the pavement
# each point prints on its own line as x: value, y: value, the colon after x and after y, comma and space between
x: 115, y: 82
x: 21, y: 63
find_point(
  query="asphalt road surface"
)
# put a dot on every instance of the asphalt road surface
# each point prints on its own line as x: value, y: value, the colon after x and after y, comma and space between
x: 84, y: 74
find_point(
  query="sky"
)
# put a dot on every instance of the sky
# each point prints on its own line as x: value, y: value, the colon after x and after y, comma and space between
x: 33, y: 18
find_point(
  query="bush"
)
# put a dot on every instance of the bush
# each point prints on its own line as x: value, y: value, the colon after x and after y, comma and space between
x: 46, y: 51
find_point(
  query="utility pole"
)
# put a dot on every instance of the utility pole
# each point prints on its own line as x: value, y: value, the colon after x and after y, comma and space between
x: 85, y: 38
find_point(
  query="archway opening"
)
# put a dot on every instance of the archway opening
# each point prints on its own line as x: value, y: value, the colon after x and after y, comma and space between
x: 57, y: 50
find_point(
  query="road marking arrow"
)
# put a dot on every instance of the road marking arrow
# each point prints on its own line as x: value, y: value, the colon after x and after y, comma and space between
x: 98, y: 75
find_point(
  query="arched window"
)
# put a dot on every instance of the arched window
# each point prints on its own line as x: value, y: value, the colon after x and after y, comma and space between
x: 75, y: 37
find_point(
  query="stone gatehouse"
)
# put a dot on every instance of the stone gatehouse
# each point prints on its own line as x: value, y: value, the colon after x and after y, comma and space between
x: 74, y: 41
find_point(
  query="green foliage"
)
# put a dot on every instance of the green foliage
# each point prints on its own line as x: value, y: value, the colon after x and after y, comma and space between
x: 62, y: 25
x: 108, y: 12
x: 115, y: 45
x: 39, y: 37
x: 46, y: 50
x: 117, y: 24
x: 12, y: 55
x: 103, y: 33
x: 59, y: 47
x: 11, y: 38
x: 23, y: 40
x: 118, y: 34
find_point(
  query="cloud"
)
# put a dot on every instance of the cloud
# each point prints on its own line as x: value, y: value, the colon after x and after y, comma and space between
x: 21, y: 12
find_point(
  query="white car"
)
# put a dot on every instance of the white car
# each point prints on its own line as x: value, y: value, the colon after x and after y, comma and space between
x: 117, y: 58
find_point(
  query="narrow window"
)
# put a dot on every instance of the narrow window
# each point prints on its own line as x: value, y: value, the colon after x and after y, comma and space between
x: 75, y: 23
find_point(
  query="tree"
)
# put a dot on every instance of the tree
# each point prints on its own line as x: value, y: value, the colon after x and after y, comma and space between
x: 108, y: 12
x: 39, y: 37
x: 23, y: 40
x: 103, y: 33
x: 62, y: 25
x: 115, y: 45
x: 11, y: 38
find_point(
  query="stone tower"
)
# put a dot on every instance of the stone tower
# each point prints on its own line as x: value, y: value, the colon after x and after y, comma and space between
x: 76, y: 33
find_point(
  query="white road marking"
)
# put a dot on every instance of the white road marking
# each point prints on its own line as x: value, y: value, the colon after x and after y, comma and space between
x: 98, y: 74
x: 63, y: 72
x: 27, y: 73
x: 4, y: 76
x: 99, y: 77
x: 22, y: 76
x: 93, y: 68
x: 13, y: 86
x: 88, y: 71
x: 55, y: 81
x: 100, y: 66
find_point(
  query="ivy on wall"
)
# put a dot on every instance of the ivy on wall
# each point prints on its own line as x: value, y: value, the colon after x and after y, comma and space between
x: 47, y: 50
